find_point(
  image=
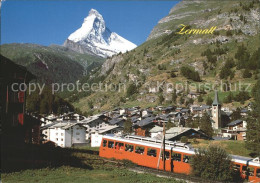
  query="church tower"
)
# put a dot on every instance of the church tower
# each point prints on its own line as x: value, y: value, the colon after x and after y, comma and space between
x: 216, y: 112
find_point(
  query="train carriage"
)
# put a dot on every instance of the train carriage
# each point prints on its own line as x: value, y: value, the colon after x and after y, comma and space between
x: 145, y: 151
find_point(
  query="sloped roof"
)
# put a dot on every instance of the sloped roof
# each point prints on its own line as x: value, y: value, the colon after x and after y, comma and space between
x: 115, y: 121
x: 107, y: 128
x: 216, y: 100
x: 65, y: 126
x: 156, y: 129
x: 146, y: 121
x: 236, y: 122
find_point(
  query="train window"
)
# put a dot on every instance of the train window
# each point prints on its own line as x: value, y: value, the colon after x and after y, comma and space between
x: 119, y: 146
x: 110, y: 144
x: 129, y: 147
x: 176, y: 156
x: 258, y: 173
x: 186, y: 158
x: 251, y: 171
x: 244, y: 169
x: 152, y: 152
x: 104, y: 143
x: 236, y: 167
x: 139, y: 149
x: 167, y: 155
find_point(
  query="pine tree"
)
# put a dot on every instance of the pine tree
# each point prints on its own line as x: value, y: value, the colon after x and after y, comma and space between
x: 253, y: 124
x: 209, y: 101
x: 205, y: 125
x: 174, y: 96
x: 200, y: 99
x: 236, y: 114
x: 128, y: 127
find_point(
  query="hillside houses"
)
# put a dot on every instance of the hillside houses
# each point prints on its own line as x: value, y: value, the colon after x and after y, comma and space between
x: 149, y: 122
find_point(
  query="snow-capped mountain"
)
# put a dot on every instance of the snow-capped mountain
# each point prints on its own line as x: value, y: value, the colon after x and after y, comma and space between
x: 95, y: 38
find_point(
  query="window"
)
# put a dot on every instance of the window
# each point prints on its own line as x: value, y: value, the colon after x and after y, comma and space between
x: 119, y: 146
x: 258, y: 173
x: 45, y: 132
x: 110, y: 144
x: 56, y: 134
x: 251, y: 171
x: 77, y: 133
x: 139, y: 149
x: 151, y: 152
x: 176, y: 156
x: 77, y: 138
x: 167, y: 155
x: 129, y: 148
x: 244, y: 169
x: 104, y: 143
x: 57, y: 139
x: 61, y: 134
x: 186, y: 158
x: 236, y: 167
x: 61, y: 139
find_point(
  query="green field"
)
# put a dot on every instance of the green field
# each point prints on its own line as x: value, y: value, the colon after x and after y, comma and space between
x: 40, y: 163
x: 70, y: 174
x: 231, y: 146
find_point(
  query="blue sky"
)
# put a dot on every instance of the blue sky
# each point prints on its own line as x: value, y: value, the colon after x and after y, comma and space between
x: 51, y: 22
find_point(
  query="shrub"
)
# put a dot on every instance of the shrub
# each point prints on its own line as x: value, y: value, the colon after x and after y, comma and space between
x: 212, y: 163
x: 190, y: 74
x: 247, y: 74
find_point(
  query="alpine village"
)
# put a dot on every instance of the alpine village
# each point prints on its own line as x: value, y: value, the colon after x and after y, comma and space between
x: 184, y: 106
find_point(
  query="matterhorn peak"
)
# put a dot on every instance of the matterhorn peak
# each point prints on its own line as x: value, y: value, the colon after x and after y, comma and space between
x: 94, y: 12
x: 94, y: 37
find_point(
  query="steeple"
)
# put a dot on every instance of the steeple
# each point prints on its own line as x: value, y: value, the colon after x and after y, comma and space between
x: 216, y: 101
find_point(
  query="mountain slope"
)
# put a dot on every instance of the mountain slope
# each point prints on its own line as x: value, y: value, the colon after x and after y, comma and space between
x: 51, y: 64
x: 161, y: 58
x: 95, y: 38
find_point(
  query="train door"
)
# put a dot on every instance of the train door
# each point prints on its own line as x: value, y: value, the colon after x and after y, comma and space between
x: 176, y: 162
x: 167, y: 161
x: 119, y: 150
x: 110, y: 149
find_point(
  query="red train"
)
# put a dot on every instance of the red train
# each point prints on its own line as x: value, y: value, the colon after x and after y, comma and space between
x: 145, y: 151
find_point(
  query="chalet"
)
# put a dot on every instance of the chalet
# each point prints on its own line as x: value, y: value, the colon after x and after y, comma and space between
x: 185, y: 111
x: 117, y: 121
x: 193, y: 95
x: 18, y: 127
x: 196, y: 110
x: 175, y: 133
x: 167, y: 109
x: 96, y: 137
x: 146, y: 112
x: 178, y: 109
x: 244, y: 112
x: 142, y: 127
x: 67, y: 134
x: 235, y: 130
x: 93, y: 123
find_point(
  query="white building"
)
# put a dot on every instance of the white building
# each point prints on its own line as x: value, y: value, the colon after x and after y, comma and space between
x: 66, y: 134
x: 96, y: 137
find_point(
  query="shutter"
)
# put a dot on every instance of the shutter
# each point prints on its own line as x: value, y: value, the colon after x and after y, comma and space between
x: 21, y: 118
x: 21, y: 97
